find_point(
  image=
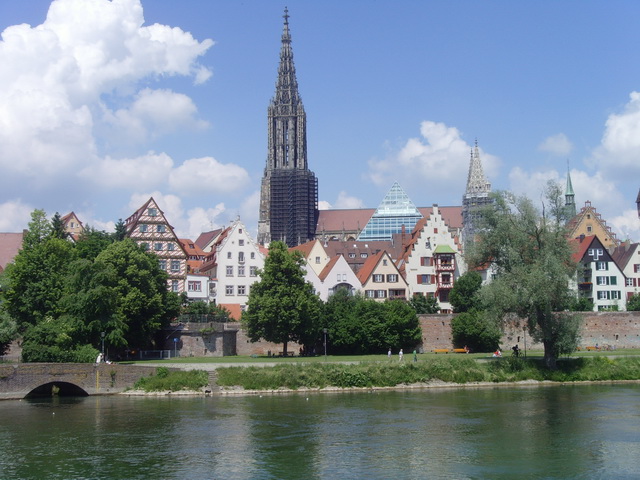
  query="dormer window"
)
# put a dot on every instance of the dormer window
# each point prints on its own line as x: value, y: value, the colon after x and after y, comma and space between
x: 153, y: 212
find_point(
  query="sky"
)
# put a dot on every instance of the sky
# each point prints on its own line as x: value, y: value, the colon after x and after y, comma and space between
x: 104, y: 104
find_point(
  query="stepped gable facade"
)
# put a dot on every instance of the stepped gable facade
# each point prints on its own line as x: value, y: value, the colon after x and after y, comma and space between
x: 289, y: 190
x: 149, y: 228
x: 589, y: 222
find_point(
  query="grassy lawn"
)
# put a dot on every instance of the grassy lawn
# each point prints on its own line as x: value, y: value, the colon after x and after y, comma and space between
x: 408, y: 357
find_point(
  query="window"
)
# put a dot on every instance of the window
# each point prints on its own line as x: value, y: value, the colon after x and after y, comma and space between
x: 153, y: 212
x: 339, y: 277
x: 381, y: 294
x: 253, y: 271
x: 171, y: 247
x: 157, y: 247
x: 378, y: 278
x: 241, y: 242
x: 144, y: 228
x: 175, y: 286
x: 194, y: 286
x: 242, y: 290
x: 615, y: 295
x: 317, y: 260
x: 352, y: 255
x: 175, y: 265
x: 229, y: 270
x: 629, y: 282
x: 253, y: 255
x: 363, y: 255
x: 161, y: 229
x: 228, y: 289
x: 241, y: 257
x: 344, y: 277
x: 425, y: 261
x: 602, y: 266
x: 636, y: 267
x: 435, y: 230
x: 392, y: 277
x: 589, y: 228
x: 384, y: 262
x: 241, y: 271
x: 424, y: 279
x: 370, y: 293
x: 162, y: 264
x: 239, y: 230
x: 229, y: 255
x: 602, y: 280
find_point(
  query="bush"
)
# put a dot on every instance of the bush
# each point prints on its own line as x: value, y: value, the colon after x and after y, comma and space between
x: 476, y: 331
x: 164, y: 380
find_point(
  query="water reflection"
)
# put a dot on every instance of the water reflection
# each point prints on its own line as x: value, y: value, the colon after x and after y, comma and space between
x: 588, y: 431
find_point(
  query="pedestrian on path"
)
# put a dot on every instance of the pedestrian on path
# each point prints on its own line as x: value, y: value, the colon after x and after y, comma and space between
x: 389, y: 354
x: 400, y: 355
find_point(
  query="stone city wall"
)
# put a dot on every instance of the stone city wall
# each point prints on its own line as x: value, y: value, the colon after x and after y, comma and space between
x: 617, y: 329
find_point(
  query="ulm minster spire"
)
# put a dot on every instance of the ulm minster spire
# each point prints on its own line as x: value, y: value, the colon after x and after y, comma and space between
x: 289, y: 192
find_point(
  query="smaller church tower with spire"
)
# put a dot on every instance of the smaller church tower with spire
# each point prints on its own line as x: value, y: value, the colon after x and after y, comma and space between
x: 569, y: 199
x: 475, y: 197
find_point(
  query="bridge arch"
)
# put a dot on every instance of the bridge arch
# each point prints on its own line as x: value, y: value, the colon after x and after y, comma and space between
x: 57, y: 388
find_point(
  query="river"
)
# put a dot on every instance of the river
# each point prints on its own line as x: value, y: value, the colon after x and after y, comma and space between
x: 559, y: 431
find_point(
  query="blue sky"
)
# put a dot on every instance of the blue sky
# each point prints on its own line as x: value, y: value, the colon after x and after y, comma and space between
x: 103, y: 104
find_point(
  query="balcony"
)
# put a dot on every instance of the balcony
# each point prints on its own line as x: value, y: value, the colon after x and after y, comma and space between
x: 585, y: 286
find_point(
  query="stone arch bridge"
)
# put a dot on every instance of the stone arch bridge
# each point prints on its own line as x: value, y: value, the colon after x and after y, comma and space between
x: 37, y: 379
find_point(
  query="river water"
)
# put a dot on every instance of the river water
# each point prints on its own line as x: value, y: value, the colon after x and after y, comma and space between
x: 584, y: 431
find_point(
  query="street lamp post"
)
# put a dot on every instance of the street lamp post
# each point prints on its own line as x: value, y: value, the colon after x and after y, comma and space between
x: 102, y: 335
x: 325, y: 343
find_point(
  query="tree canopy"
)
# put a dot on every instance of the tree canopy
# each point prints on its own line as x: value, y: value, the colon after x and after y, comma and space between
x: 464, y: 294
x: 282, y: 306
x: 533, y: 264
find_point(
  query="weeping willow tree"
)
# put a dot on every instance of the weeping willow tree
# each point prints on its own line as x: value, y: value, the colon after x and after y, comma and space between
x: 529, y: 251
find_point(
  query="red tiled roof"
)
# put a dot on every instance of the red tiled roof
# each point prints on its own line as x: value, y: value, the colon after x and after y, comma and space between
x: 205, y: 238
x: 305, y: 248
x: 369, y: 266
x: 327, y: 268
x: 235, y: 310
x: 580, y: 246
x: 191, y: 248
x: 623, y: 253
x: 10, y: 245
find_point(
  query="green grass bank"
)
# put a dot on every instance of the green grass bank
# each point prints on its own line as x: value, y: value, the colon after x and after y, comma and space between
x: 445, y: 369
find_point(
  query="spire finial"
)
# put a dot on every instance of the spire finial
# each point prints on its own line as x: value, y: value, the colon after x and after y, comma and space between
x: 286, y: 16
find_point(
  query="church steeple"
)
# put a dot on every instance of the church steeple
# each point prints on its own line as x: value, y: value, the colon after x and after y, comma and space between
x: 569, y: 198
x: 289, y: 193
x: 475, y: 197
x: 476, y: 181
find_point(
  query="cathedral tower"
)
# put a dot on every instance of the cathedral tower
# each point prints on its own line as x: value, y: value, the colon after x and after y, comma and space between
x: 476, y: 196
x: 289, y: 191
x: 569, y: 199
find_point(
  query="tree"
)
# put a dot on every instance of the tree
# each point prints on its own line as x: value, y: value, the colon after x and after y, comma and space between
x: 282, y: 306
x: 8, y: 330
x: 533, y: 264
x: 57, y: 227
x: 475, y: 330
x: 37, y: 279
x: 424, y: 304
x: 91, y: 242
x: 120, y: 232
x: 38, y: 230
x: 464, y: 294
x: 581, y: 304
x: 633, y: 303
x: 358, y: 325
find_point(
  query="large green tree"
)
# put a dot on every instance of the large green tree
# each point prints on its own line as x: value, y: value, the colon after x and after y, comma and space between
x: 424, y: 304
x: 533, y: 263
x: 464, y: 294
x: 357, y: 325
x: 282, y: 306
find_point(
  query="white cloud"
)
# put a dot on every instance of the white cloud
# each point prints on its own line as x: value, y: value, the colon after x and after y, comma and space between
x: 618, y: 153
x: 324, y: 205
x: 346, y: 201
x: 14, y: 216
x: 206, y: 175
x: 432, y: 162
x: 627, y: 225
x: 203, y: 220
x: 59, y: 78
x: 153, y: 113
x: 145, y: 172
x: 558, y: 145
